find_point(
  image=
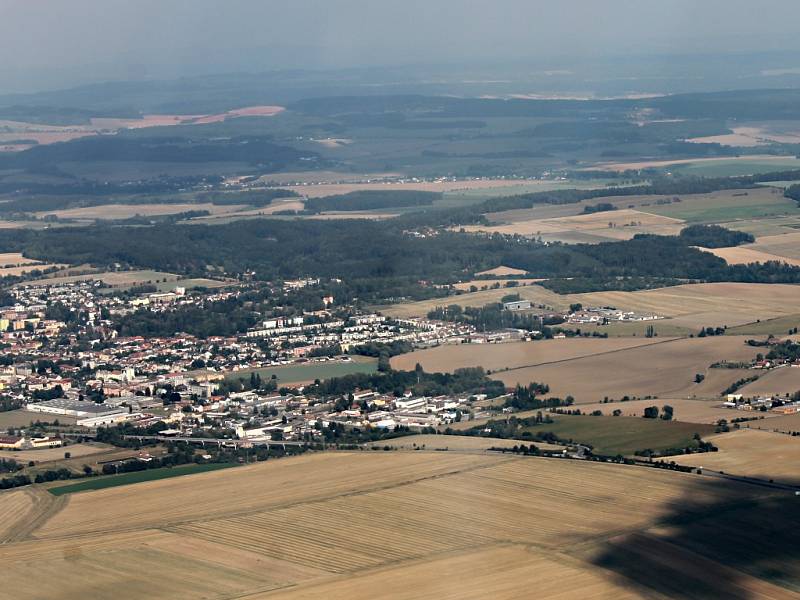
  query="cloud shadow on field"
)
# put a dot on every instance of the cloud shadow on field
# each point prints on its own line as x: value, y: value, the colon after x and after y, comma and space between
x: 711, y: 542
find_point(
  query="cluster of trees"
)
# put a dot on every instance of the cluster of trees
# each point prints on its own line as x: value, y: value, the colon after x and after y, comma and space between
x: 714, y: 236
x: 711, y: 331
x: 667, y: 412
x: 380, y: 258
x: 793, y: 192
x: 601, y: 207
x: 786, y: 350
x: 420, y: 382
x: 739, y: 383
x: 225, y: 318
x: 528, y: 398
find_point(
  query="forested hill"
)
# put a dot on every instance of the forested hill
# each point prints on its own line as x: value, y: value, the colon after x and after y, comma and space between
x: 368, y: 250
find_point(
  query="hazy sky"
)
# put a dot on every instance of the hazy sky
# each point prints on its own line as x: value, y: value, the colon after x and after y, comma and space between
x: 47, y: 40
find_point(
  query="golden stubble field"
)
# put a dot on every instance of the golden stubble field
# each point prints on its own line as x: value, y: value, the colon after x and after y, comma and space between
x: 591, y: 369
x: 425, y: 525
x: 511, y: 355
x: 752, y: 453
x: 607, y: 226
x: 744, y: 255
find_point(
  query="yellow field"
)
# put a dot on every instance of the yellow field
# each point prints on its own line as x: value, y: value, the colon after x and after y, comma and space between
x: 612, y: 225
x: 408, y: 525
x: 775, y: 382
x: 487, y: 283
x: 49, y: 454
x: 501, y: 271
x: 592, y: 369
x: 744, y: 255
x: 689, y: 411
x: 15, y: 259
x: 112, y: 278
x: 512, y: 355
x: 703, y: 304
x: 459, y: 443
x: 786, y: 245
x: 751, y: 453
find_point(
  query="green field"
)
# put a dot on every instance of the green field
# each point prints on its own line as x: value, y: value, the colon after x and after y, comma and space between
x: 623, y: 435
x: 732, y: 168
x: 778, y: 327
x: 308, y: 372
x: 726, y: 208
x: 100, y: 483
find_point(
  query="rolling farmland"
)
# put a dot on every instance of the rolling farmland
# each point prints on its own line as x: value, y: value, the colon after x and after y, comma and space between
x: 449, y: 525
x: 592, y: 369
x: 664, y: 370
x: 689, y: 306
x: 752, y: 453
x: 496, y: 357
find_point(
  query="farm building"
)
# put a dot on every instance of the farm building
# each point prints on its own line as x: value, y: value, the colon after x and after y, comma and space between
x: 517, y: 305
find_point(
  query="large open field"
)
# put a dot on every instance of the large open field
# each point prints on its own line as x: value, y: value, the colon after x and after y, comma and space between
x: 112, y: 278
x: 689, y: 411
x: 513, y: 355
x: 709, y: 167
x: 605, y: 226
x: 689, y: 306
x: 592, y: 369
x: 786, y: 245
x: 775, y: 382
x: 446, y: 525
x: 622, y: 435
x: 127, y: 211
x: 744, y: 255
x: 704, y: 304
x: 23, y: 418
x: 752, y: 453
x: 726, y: 206
x: 665, y: 369
x: 460, y: 443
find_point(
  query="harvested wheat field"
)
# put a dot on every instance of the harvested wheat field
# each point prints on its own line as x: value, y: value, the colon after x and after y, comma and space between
x: 112, y: 278
x: 15, y: 259
x: 776, y: 382
x: 666, y: 369
x: 425, y: 525
x: 49, y: 454
x: 459, y: 443
x: 689, y: 411
x: 611, y: 225
x: 501, y: 271
x: 488, y: 283
x: 786, y: 245
x: 703, y: 304
x: 496, y: 357
x: 744, y: 255
x: 752, y: 453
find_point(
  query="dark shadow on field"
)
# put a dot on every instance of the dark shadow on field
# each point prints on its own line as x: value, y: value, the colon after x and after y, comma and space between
x: 711, y: 541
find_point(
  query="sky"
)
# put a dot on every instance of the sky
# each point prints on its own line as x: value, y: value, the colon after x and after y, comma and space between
x: 48, y: 42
